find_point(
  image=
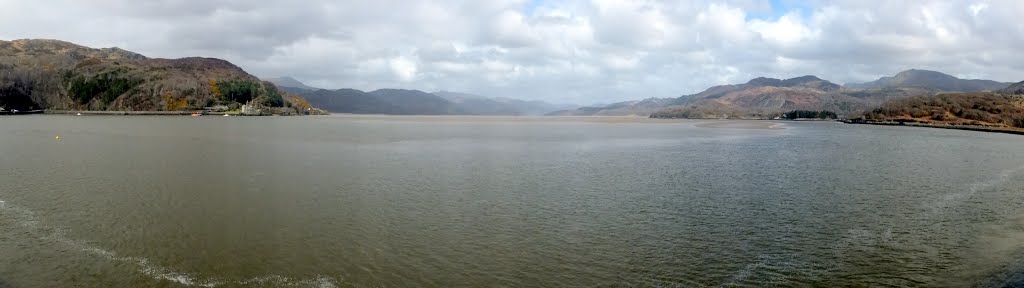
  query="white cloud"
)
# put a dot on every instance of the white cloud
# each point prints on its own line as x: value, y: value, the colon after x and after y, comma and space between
x: 403, y: 68
x: 788, y: 30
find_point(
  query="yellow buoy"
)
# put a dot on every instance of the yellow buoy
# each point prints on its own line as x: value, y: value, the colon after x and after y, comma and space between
x: 58, y: 137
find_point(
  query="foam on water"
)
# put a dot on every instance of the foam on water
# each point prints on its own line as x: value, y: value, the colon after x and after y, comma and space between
x: 953, y: 199
x: 27, y: 219
x: 770, y: 265
x: 775, y: 269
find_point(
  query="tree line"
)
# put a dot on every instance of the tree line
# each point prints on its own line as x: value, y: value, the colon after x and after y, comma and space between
x: 807, y: 114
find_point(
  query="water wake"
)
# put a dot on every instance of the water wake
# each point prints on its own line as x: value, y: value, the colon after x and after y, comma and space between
x: 774, y: 270
x: 953, y: 199
x: 26, y: 218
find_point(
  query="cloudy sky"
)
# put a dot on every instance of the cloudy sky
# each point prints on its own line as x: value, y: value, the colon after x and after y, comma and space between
x: 577, y: 51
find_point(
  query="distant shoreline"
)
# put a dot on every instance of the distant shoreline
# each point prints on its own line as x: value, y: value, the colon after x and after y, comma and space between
x: 742, y: 124
x: 945, y: 126
x: 156, y: 113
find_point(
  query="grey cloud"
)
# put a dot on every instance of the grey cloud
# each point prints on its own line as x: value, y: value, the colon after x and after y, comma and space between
x: 582, y: 51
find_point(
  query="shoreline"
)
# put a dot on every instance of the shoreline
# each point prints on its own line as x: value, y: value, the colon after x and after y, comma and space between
x: 158, y: 113
x: 947, y: 126
x: 121, y: 113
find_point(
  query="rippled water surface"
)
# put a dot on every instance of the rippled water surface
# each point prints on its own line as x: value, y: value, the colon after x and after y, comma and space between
x: 473, y: 201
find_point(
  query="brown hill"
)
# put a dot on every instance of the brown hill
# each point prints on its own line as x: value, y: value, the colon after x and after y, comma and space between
x: 975, y: 109
x: 764, y: 97
x: 53, y: 74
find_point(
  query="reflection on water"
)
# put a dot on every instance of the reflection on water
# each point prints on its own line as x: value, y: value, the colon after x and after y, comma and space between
x: 468, y: 201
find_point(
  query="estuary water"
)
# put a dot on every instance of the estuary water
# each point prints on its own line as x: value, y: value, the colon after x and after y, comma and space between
x: 371, y: 201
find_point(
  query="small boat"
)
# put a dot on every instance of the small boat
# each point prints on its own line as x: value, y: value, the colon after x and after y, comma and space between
x: 196, y: 114
x: 79, y: 114
x: 226, y: 115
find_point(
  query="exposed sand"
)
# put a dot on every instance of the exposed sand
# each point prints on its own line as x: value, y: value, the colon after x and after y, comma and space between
x: 705, y: 123
x: 742, y: 124
x: 504, y: 119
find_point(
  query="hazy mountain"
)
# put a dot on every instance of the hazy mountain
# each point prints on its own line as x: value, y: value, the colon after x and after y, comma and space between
x: 415, y: 102
x: 638, y: 107
x: 60, y: 75
x: 481, y: 105
x: 418, y: 102
x: 1016, y: 88
x: 931, y: 80
x: 383, y: 101
x: 348, y: 101
x: 289, y: 82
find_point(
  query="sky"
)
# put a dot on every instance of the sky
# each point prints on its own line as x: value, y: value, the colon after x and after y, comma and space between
x: 566, y: 51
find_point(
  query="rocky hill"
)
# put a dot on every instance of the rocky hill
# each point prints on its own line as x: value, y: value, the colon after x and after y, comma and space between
x: 52, y: 74
x: 763, y: 97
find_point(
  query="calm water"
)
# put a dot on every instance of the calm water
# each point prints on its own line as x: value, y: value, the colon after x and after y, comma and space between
x: 447, y: 201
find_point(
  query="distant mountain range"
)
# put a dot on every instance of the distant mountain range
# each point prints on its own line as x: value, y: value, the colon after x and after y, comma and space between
x: 627, y: 108
x: 761, y: 97
x: 52, y: 74
x: 412, y: 102
x: 930, y: 80
x: 383, y: 101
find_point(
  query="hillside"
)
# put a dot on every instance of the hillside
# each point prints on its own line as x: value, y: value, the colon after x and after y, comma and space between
x: 52, y: 74
x: 930, y: 80
x: 975, y: 109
